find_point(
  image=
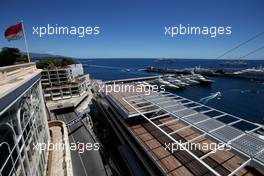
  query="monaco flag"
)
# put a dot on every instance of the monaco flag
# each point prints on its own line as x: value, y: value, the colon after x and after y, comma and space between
x: 14, y: 32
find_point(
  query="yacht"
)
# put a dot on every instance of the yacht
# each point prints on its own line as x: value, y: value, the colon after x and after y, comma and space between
x: 252, y: 73
x: 235, y: 63
x: 187, y: 80
x: 201, y: 79
x: 167, y: 84
x: 179, y: 83
x: 201, y: 70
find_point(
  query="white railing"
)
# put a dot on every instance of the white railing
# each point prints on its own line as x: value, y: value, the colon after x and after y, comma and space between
x: 9, y: 73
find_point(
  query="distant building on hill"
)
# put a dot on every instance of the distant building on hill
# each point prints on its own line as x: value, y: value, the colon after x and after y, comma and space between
x: 64, y: 82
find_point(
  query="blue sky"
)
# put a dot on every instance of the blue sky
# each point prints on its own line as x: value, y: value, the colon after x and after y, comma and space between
x: 135, y: 29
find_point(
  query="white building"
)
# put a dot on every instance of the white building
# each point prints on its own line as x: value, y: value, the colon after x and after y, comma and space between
x: 61, y: 75
x: 23, y: 121
x: 63, y: 83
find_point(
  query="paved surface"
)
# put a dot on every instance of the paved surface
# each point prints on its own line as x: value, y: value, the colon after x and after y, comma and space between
x: 57, y: 154
x: 66, y: 103
x: 83, y: 105
x: 89, y: 162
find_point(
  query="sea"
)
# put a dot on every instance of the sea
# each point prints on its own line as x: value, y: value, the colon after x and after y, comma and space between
x: 240, y: 97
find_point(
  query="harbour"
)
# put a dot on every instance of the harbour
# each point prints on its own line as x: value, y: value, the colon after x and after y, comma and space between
x: 236, y: 92
x: 249, y: 73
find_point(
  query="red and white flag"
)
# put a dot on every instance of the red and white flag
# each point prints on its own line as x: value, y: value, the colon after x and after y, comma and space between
x: 14, y: 32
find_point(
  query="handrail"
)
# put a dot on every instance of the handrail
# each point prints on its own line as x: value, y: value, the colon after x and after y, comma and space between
x: 9, y: 73
x: 15, y: 67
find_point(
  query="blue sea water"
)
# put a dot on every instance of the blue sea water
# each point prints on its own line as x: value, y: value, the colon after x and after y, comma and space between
x: 241, y: 97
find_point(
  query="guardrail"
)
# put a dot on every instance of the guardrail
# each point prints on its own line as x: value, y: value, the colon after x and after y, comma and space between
x: 12, y: 72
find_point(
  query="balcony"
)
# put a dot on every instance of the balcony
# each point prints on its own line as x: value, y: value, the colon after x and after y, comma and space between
x: 12, y: 77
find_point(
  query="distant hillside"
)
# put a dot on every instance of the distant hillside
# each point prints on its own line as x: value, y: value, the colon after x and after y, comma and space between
x: 42, y: 55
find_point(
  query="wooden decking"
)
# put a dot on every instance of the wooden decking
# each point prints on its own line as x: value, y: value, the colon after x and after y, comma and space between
x: 180, y: 162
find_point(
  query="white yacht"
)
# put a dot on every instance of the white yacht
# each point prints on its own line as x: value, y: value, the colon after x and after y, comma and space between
x: 252, y: 73
x: 167, y: 84
x: 187, y: 80
x: 179, y: 83
x: 201, y: 79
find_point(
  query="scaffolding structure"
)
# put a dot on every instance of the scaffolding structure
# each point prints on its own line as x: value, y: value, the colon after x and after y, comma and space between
x: 209, y: 121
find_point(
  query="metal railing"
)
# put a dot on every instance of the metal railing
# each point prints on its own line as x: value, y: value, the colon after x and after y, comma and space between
x: 164, y: 97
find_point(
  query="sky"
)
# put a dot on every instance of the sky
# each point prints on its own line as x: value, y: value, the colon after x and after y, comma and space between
x: 135, y: 29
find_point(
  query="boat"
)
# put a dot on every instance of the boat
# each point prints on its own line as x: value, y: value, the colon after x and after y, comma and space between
x: 163, y: 60
x: 203, y: 71
x: 201, y: 79
x: 179, y: 83
x: 251, y: 73
x: 191, y: 80
x: 233, y: 63
x: 167, y: 84
x: 176, y: 82
x: 187, y: 80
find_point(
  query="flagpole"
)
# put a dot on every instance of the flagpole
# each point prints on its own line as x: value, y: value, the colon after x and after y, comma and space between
x: 25, y: 39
